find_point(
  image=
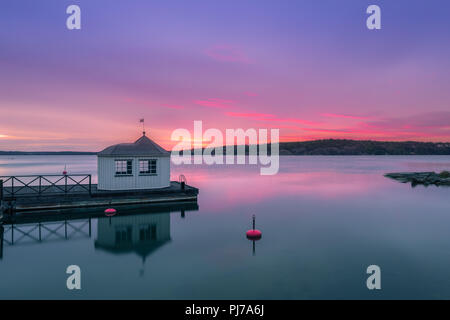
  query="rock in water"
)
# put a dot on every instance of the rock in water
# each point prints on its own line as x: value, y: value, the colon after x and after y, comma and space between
x: 424, y: 178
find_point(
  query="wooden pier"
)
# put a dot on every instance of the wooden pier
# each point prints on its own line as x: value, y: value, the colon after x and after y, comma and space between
x: 56, y: 192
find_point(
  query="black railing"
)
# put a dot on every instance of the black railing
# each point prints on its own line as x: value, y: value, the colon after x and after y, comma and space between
x: 32, y: 185
x: 29, y: 233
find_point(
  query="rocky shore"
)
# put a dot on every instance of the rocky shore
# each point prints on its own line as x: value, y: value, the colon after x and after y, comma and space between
x: 423, y: 178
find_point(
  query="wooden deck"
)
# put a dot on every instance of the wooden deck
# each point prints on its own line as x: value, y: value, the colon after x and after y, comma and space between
x: 77, y: 197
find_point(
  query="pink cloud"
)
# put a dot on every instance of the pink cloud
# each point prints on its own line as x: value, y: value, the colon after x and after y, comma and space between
x: 226, y: 53
x: 346, y: 116
x: 438, y: 120
x: 329, y: 130
x: 172, y: 106
x: 143, y: 102
x: 138, y: 101
x: 254, y: 115
x: 270, y: 118
x: 296, y: 120
x: 215, y: 103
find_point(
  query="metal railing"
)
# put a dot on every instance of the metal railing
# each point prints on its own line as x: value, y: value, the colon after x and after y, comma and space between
x: 32, y: 185
x: 14, y: 234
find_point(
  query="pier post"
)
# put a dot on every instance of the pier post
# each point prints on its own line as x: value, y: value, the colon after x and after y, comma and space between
x: 1, y: 197
x: 90, y: 190
x: 1, y: 241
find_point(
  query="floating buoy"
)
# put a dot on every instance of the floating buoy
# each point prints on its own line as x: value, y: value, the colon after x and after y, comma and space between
x: 254, y: 234
x: 65, y: 171
x: 110, y: 212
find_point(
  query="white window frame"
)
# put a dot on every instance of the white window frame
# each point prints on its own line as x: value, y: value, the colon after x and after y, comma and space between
x: 125, y: 168
x: 148, y: 169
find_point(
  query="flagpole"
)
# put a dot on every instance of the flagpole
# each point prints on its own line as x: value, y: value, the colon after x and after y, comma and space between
x: 143, y: 125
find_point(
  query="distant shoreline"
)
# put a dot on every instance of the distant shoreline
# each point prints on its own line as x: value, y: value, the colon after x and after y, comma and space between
x: 326, y: 147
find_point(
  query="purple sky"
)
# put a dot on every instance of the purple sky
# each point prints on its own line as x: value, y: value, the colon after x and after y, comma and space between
x: 310, y: 68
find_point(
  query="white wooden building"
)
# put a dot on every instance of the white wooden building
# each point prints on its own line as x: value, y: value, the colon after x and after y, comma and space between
x: 129, y: 166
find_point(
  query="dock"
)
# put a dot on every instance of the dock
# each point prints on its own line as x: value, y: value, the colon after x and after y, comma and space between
x: 56, y: 192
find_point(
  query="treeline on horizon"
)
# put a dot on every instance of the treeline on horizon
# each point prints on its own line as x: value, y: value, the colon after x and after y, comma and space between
x: 319, y: 147
x: 355, y: 147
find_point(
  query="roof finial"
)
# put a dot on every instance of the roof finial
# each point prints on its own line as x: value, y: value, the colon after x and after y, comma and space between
x: 143, y: 126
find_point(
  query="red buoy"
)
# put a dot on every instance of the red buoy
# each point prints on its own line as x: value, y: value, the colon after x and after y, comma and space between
x: 254, y: 234
x: 65, y: 171
x: 110, y: 212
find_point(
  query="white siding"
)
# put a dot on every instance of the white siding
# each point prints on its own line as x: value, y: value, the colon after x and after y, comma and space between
x: 107, y: 179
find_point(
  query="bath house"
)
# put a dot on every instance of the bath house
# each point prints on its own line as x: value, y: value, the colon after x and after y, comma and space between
x: 142, y: 164
x: 128, y: 174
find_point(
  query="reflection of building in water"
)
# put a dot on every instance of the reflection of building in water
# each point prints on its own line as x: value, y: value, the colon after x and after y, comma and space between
x: 134, y: 229
x: 142, y: 234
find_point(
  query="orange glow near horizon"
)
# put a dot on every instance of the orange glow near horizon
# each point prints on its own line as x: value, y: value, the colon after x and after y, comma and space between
x: 96, y: 139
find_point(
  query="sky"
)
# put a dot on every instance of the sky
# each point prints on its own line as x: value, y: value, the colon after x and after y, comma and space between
x: 310, y: 68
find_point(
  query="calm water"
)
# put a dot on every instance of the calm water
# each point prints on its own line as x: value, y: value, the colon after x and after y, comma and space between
x: 324, y: 220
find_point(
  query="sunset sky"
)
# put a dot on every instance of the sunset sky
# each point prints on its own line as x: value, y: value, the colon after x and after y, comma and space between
x: 308, y: 67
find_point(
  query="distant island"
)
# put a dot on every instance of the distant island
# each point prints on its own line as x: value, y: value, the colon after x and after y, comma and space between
x: 363, y: 147
x: 342, y: 147
x: 320, y: 147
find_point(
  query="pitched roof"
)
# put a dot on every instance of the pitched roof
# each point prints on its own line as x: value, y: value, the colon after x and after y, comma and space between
x: 141, y: 147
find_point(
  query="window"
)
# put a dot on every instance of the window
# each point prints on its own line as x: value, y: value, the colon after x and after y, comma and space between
x: 123, y: 235
x: 124, y: 167
x: 147, y: 232
x: 147, y: 166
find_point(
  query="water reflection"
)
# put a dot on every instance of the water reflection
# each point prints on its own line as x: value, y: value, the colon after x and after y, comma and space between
x: 142, y: 234
x: 324, y: 220
x: 35, y: 231
x: 254, y: 247
x: 138, y: 229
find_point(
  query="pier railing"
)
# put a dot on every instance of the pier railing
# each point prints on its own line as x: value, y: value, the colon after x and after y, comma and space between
x: 32, y: 185
x: 49, y: 231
